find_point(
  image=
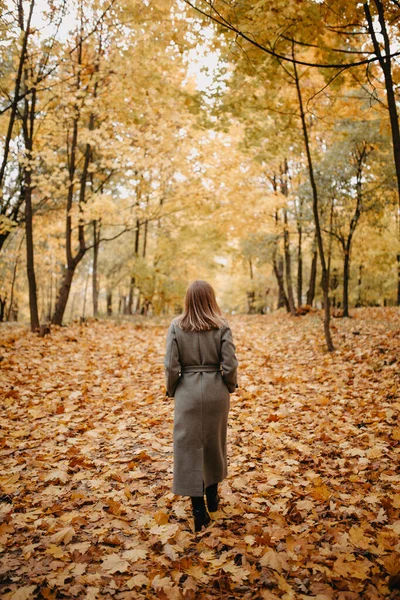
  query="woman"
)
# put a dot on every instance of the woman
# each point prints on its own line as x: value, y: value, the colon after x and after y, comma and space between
x: 201, y: 372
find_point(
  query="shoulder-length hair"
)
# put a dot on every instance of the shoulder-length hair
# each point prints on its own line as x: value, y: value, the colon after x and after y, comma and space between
x: 201, y: 309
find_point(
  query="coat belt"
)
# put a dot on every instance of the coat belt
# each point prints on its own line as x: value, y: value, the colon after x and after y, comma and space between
x: 200, y: 368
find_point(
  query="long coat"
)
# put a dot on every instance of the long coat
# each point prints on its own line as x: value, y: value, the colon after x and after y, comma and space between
x: 201, y: 372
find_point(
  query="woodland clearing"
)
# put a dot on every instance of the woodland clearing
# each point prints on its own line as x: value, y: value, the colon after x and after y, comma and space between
x: 310, y: 507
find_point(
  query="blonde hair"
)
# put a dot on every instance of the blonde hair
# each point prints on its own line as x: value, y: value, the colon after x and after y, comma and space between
x: 201, y: 309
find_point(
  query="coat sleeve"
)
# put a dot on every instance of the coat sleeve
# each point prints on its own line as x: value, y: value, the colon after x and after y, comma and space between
x: 229, y: 362
x: 171, y: 362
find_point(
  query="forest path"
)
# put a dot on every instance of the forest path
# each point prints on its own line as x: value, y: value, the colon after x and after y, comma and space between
x: 311, y: 504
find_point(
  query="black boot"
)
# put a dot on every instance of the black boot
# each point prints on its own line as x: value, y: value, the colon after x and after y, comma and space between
x: 212, y: 497
x: 200, y: 514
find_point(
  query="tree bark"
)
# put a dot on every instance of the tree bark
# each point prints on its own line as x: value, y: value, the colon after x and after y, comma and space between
x: 346, y: 277
x: 28, y: 123
x: 95, y: 287
x: 109, y: 303
x: 278, y: 270
x: 313, y: 276
x: 300, y: 255
x: 386, y: 66
x: 288, y: 264
x: 325, y: 281
x: 361, y: 156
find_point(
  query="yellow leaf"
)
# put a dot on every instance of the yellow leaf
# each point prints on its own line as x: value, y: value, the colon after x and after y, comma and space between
x: 274, y: 560
x: 357, y: 537
x: 135, y: 554
x: 115, y: 564
x: 396, y: 434
x: 64, y: 535
x: 161, y: 518
x: 55, y: 551
x: 392, y: 564
x: 137, y: 581
x: 321, y: 492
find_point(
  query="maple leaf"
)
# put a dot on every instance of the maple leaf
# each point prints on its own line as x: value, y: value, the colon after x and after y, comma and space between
x: 57, y: 475
x: 347, y: 566
x: 162, y: 583
x: 137, y: 581
x: 135, y: 554
x: 113, y: 563
x: 275, y: 560
x: 63, y: 535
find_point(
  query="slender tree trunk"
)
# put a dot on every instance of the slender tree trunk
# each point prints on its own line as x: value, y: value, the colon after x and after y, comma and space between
x: 109, y: 303
x: 250, y: 293
x: 346, y: 277
x: 130, y: 297
x: 360, y: 157
x: 299, y: 267
x: 28, y: 121
x: 63, y: 296
x: 330, y: 242
x: 313, y: 276
x: 95, y: 288
x: 288, y: 264
x: 386, y: 66
x: 360, y: 270
x: 278, y: 270
x: 325, y: 281
x: 2, y: 308
x: 30, y: 260
x: 146, y: 225
x: 84, y: 296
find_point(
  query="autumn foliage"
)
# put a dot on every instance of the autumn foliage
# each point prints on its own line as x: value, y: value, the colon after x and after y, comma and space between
x: 310, y: 508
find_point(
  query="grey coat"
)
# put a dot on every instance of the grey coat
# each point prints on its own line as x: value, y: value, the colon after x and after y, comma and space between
x: 201, y: 372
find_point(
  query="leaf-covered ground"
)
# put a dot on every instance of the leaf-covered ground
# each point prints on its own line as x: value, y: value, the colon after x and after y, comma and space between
x: 311, y: 505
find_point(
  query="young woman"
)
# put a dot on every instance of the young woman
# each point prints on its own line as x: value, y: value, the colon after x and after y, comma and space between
x: 201, y: 372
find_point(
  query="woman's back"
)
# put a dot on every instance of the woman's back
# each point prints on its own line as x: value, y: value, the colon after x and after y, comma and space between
x: 199, y: 347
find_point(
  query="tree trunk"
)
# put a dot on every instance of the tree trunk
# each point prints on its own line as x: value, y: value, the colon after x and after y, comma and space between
x: 299, y: 266
x: 63, y: 296
x: 313, y: 276
x: 2, y: 308
x: 109, y: 303
x: 146, y: 225
x: 288, y: 264
x: 130, y: 297
x: 325, y: 281
x: 28, y: 121
x: 330, y: 242
x: 386, y: 66
x: 95, y: 288
x: 278, y: 270
x: 346, y: 277
x: 84, y: 296
x: 359, y: 299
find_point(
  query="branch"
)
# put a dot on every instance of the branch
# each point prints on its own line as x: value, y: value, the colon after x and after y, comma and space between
x: 227, y: 25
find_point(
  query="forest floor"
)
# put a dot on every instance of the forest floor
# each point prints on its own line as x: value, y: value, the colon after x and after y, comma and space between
x: 310, y: 508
